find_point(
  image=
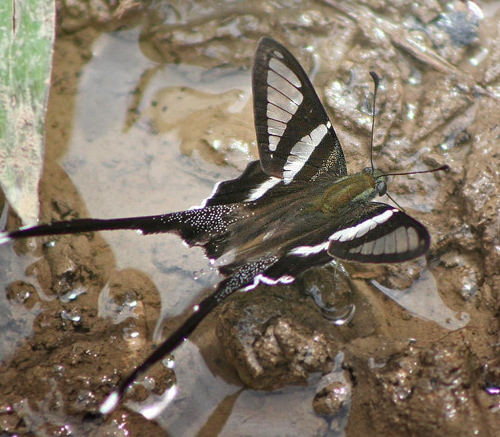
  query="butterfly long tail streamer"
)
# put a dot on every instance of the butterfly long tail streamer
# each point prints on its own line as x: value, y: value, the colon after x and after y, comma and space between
x: 243, y: 277
x: 199, y: 312
x: 74, y: 226
x: 189, y: 224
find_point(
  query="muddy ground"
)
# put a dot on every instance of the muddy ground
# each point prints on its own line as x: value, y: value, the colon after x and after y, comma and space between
x: 79, y: 312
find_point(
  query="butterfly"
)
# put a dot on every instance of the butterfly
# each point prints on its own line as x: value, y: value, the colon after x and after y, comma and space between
x: 293, y: 209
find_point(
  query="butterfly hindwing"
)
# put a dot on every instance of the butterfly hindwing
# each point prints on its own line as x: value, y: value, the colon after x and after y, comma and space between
x: 240, y: 189
x: 379, y: 233
x: 253, y: 184
x: 295, y: 137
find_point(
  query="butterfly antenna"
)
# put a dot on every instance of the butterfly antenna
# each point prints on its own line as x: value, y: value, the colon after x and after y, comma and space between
x: 376, y: 82
x: 445, y: 168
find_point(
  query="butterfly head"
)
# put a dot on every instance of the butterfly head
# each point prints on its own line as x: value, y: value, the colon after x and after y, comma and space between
x: 379, y: 180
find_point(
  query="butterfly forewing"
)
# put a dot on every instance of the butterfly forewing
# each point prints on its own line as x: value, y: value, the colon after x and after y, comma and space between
x: 295, y: 137
x: 379, y: 233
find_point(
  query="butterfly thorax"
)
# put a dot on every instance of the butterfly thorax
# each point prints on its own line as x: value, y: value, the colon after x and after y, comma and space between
x: 363, y: 186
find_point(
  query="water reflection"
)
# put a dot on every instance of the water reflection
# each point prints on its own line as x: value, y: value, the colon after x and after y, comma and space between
x: 422, y: 299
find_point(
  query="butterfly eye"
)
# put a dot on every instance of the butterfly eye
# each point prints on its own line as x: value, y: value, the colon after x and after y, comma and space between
x: 381, y: 187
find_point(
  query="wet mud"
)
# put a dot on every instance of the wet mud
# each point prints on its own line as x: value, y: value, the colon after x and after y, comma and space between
x: 329, y: 354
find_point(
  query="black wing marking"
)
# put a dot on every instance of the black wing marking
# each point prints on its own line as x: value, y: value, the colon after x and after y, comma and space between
x: 295, y: 137
x: 379, y: 233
